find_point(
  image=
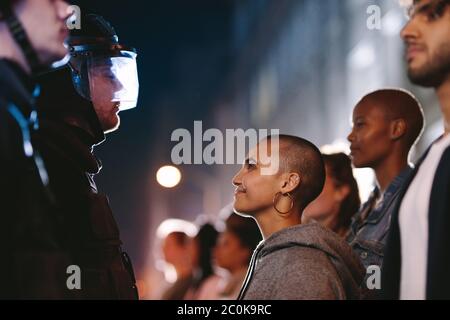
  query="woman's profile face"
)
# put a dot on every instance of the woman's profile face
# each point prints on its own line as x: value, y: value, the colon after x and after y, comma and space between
x: 254, y: 190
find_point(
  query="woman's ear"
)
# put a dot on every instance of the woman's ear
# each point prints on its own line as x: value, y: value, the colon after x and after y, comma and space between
x: 398, y: 129
x: 291, y: 181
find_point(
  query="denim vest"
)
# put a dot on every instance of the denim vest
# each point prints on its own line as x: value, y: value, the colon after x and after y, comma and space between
x: 370, y: 226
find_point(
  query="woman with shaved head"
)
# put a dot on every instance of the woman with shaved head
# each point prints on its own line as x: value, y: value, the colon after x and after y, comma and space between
x: 294, y: 261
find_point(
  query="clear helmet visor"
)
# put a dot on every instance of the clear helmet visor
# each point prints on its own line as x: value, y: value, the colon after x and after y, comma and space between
x: 112, y: 81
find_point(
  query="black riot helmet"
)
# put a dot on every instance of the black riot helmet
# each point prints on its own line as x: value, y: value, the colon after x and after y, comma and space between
x: 19, y: 35
x: 102, y: 67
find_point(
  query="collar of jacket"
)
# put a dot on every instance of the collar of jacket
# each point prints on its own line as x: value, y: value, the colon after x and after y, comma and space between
x: 389, y: 196
x: 376, y: 213
x: 88, y: 129
x: 71, y: 142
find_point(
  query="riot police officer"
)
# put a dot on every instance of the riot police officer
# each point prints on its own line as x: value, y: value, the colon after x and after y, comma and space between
x: 101, y: 81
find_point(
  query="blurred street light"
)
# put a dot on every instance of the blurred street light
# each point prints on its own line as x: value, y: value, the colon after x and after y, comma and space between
x: 168, y: 176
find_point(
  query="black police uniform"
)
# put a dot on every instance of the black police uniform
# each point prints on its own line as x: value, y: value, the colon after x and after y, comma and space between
x: 69, y: 131
x: 47, y: 228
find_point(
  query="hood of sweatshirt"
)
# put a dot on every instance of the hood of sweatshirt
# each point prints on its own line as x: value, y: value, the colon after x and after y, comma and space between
x: 315, y: 236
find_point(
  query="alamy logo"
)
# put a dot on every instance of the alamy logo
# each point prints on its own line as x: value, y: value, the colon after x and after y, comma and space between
x: 373, y: 281
x: 74, y: 280
x: 228, y: 148
x: 74, y: 21
x: 374, y: 19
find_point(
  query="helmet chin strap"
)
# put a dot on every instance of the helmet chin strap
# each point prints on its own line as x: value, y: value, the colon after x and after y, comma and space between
x: 20, y: 36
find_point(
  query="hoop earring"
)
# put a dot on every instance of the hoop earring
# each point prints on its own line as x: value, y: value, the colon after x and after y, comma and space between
x: 275, y: 200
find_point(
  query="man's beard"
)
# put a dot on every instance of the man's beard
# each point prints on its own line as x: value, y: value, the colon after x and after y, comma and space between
x: 435, y: 72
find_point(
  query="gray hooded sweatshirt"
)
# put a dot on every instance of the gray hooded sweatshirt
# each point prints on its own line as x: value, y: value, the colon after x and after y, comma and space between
x: 304, y: 262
